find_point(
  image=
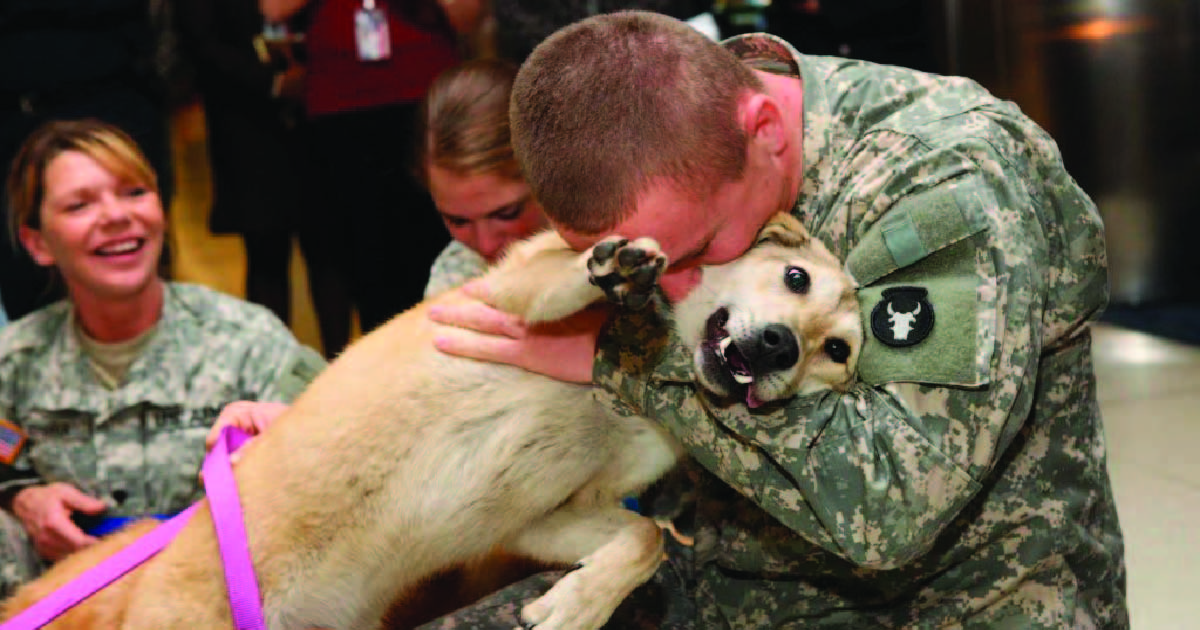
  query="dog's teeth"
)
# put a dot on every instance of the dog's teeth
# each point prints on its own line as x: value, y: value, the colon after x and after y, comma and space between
x: 744, y: 379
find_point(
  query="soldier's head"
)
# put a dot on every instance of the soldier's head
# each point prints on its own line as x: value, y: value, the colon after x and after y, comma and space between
x: 635, y: 123
x: 466, y: 158
x: 83, y: 199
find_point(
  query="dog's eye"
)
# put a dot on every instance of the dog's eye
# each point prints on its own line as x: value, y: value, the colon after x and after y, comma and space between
x: 796, y: 280
x: 837, y: 349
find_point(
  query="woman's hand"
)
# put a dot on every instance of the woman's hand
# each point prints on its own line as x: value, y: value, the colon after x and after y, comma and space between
x: 249, y: 416
x: 45, y: 512
x: 563, y: 350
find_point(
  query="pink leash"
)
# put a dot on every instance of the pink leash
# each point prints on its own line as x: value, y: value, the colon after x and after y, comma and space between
x: 245, y: 602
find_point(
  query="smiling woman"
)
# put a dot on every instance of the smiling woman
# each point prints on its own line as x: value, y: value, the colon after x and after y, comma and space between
x: 86, y: 202
x: 106, y: 398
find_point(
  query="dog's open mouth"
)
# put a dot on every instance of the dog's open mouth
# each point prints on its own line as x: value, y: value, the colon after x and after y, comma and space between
x: 734, y: 368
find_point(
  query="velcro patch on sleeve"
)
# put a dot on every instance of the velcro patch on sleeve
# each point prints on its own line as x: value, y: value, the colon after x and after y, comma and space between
x: 923, y: 323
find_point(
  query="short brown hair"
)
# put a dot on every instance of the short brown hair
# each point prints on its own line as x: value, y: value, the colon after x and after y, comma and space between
x: 464, y: 120
x: 608, y: 104
x: 105, y: 143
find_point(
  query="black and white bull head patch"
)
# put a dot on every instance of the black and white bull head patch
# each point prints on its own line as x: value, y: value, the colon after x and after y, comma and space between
x: 904, y: 317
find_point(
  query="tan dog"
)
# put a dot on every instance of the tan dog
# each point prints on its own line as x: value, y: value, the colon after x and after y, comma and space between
x: 399, y: 461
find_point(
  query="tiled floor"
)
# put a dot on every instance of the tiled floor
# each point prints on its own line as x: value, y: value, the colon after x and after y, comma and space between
x: 1149, y: 390
x: 1150, y: 397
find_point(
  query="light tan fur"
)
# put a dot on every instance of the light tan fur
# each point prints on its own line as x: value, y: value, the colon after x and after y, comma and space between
x: 399, y: 461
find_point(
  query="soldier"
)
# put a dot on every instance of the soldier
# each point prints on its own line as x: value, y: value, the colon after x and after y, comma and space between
x: 106, y: 398
x: 962, y: 481
x: 468, y: 166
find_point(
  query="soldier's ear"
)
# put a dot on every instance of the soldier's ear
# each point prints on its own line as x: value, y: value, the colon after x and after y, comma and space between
x: 785, y: 230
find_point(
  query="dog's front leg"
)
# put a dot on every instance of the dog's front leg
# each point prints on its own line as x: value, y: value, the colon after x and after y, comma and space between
x: 542, y: 279
x: 616, y: 550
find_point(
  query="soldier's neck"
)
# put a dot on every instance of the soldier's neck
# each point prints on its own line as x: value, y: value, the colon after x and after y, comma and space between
x: 110, y: 320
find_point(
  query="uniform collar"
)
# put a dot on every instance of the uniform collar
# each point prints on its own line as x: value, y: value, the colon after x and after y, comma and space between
x: 769, y: 53
x: 63, y: 379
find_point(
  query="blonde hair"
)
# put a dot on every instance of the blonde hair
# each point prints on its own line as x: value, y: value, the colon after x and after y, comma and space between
x: 464, y: 121
x: 105, y: 143
x: 610, y: 104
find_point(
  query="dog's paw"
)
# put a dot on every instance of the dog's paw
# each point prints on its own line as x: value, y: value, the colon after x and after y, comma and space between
x: 626, y: 271
x: 575, y: 602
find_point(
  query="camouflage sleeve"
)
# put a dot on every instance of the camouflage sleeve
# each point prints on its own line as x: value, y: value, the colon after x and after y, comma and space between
x: 278, y: 367
x: 876, y: 473
x: 15, y: 469
x: 454, y: 266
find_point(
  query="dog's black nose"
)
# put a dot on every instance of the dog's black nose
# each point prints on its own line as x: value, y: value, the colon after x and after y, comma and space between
x: 775, y: 348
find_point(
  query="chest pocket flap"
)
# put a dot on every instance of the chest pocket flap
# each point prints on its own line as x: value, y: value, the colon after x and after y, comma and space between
x: 925, y: 294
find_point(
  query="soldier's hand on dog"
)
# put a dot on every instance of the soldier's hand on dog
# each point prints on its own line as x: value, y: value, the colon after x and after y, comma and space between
x: 563, y: 350
x: 45, y: 512
x: 250, y: 416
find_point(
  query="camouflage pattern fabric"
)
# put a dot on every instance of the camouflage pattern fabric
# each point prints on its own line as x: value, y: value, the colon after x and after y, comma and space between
x: 138, y: 447
x: 962, y: 482
x: 19, y: 562
x: 453, y: 267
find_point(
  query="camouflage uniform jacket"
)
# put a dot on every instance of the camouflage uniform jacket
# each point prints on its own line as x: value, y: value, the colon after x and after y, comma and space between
x: 140, y: 446
x: 962, y: 481
x: 453, y: 267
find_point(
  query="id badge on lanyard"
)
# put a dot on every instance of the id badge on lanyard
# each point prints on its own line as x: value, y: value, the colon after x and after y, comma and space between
x: 371, y: 32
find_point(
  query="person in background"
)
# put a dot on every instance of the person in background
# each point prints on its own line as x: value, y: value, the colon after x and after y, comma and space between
x: 251, y: 78
x: 466, y: 160
x: 370, y: 63
x: 107, y: 397
x: 522, y: 24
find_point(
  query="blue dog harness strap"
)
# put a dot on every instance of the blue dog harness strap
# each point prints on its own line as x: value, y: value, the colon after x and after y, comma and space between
x: 111, y: 524
x: 99, y: 576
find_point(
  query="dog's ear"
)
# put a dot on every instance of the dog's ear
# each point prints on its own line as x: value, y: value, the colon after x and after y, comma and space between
x: 785, y: 230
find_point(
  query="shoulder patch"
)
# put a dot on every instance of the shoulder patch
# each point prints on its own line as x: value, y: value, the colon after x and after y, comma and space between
x: 12, y: 438
x: 903, y: 317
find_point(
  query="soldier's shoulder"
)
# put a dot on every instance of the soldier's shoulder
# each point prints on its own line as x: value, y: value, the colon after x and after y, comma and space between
x: 871, y: 97
x: 458, y: 256
x: 214, y: 311
x: 455, y: 265
x: 33, y: 332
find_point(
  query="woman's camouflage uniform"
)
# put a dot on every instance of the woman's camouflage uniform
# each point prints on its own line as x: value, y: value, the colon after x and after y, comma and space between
x: 138, y: 447
x: 454, y: 266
